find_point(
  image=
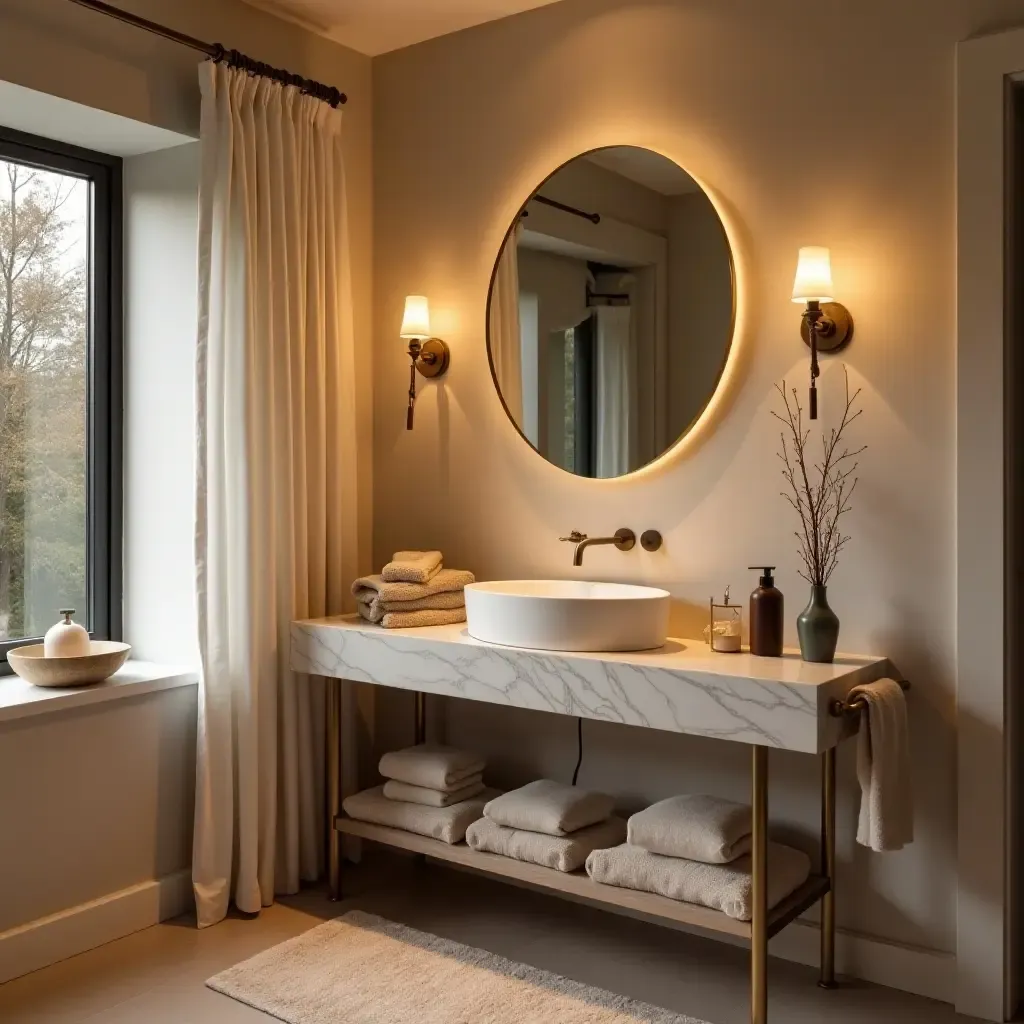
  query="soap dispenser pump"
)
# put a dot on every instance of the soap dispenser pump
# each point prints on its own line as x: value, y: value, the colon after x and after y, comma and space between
x: 766, y: 616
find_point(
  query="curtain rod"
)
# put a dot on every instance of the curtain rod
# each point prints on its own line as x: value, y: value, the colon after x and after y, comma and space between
x: 594, y: 218
x: 217, y: 53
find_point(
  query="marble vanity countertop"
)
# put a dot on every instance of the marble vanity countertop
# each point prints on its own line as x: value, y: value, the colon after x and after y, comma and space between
x: 682, y: 687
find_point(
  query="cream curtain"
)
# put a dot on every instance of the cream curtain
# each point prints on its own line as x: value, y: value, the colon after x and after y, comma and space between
x: 504, y: 340
x: 275, y: 522
x: 614, y: 384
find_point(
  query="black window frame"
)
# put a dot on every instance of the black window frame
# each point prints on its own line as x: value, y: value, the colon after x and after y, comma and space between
x: 105, y: 367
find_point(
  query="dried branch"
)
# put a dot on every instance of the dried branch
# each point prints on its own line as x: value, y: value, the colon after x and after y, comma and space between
x: 819, y: 495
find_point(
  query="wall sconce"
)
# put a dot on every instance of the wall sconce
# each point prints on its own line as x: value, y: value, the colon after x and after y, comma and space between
x: 826, y: 325
x: 427, y: 354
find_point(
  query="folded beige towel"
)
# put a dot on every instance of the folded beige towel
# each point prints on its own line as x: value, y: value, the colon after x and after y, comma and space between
x: 704, y: 828
x: 376, y: 608
x: 368, y: 588
x: 414, y: 620
x: 883, y: 768
x: 563, y: 853
x: 412, y: 567
x: 433, y: 797
x: 448, y: 824
x: 552, y: 808
x: 432, y: 766
x: 724, y: 887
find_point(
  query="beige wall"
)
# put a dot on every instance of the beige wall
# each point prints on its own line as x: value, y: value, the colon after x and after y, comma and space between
x: 465, y: 126
x: 94, y: 800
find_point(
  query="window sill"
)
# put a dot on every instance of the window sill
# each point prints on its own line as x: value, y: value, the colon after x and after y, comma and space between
x: 20, y: 699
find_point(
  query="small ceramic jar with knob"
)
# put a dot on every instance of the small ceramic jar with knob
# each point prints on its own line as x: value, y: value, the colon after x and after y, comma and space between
x: 67, y: 639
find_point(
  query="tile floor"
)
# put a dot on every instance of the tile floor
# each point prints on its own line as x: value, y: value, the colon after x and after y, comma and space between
x: 156, y: 976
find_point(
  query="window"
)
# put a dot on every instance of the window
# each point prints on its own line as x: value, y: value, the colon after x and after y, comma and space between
x: 60, y: 388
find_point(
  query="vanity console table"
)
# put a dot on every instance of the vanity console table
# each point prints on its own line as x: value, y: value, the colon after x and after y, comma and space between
x: 765, y: 703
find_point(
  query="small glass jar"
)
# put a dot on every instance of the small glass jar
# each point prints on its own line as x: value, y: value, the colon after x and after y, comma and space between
x: 724, y: 631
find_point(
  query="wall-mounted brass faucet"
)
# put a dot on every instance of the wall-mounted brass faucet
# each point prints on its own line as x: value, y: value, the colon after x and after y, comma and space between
x: 624, y: 540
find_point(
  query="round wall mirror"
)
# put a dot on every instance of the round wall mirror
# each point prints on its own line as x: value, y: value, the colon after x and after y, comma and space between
x: 611, y: 311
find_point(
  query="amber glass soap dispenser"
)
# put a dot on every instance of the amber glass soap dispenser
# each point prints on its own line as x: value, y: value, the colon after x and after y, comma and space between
x: 766, y: 616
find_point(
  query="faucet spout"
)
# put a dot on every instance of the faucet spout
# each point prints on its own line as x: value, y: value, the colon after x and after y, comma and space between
x: 624, y: 540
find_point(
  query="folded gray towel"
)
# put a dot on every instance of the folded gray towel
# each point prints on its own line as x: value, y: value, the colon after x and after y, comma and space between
x: 550, y: 807
x: 368, y: 588
x: 376, y: 607
x: 704, y: 828
x: 563, y: 853
x: 724, y: 887
x: 412, y: 567
x: 433, y: 797
x: 448, y: 824
x: 432, y: 766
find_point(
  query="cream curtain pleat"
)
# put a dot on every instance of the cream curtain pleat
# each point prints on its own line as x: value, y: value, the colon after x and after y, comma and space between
x: 276, y: 477
x: 614, y: 389
x: 504, y: 339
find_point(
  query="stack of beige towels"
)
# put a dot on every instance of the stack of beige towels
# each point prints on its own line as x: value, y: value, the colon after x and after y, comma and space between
x: 697, y: 849
x: 413, y: 589
x: 547, y: 823
x: 432, y: 790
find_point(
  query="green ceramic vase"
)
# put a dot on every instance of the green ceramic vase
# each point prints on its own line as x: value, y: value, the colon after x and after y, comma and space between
x: 818, y: 628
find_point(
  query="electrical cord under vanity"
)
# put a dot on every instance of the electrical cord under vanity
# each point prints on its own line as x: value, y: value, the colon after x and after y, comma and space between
x: 579, y: 747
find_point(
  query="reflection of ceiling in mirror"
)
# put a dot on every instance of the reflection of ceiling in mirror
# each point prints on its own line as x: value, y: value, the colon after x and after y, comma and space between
x: 652, y: 170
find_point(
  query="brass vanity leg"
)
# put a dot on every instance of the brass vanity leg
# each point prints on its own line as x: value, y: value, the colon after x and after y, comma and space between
x: 421, y: 717
x: 333, y: 786
x: 828, y: 869
x: 759, y: 859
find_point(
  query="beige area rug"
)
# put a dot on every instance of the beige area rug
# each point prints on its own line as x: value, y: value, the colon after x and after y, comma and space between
x: 361, y: 969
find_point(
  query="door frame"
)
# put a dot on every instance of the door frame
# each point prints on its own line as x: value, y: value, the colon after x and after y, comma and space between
x: 987, y: 849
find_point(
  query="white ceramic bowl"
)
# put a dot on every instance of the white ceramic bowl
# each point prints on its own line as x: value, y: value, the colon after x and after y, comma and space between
x: 568, y: 615
x: 105, y: 657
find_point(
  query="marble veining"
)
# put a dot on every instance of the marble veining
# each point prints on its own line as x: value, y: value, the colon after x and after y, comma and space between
x: 680, y: 688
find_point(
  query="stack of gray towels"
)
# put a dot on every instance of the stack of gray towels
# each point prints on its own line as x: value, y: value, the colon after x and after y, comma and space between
x: 432, y: 790
x: 697, y: 849
x: 547, y: 823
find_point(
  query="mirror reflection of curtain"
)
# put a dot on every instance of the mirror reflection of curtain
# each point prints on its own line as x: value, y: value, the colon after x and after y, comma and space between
x: 506, y: 345
x: 613, y: 405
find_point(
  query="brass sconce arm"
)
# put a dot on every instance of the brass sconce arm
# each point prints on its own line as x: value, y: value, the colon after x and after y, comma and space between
x: 431, y: 357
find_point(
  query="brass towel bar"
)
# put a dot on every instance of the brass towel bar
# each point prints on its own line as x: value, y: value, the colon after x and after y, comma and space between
x: 838, y: 708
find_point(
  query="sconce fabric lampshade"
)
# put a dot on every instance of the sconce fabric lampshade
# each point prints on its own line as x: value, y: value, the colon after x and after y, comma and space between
x: 416, y: 322
x: 813, y: 275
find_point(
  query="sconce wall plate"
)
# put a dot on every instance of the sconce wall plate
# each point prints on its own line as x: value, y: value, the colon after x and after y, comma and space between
x: 834, y: 329
x: 433, y: 358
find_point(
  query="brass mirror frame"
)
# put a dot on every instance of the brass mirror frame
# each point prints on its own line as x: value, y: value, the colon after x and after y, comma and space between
x: 721, y: 369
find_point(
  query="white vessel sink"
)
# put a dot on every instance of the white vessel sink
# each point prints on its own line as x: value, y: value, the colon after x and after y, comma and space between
x: 567, y: 615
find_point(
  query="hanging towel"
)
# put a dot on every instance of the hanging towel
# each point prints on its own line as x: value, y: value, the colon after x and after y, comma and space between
x: 433, y: 797
x: 552, y: 808
x: 413, y: 620
x: 432, y: 766
x: 369, y: 588
x: 412, y: 567
x: 448, y: 824
x: 883, y: 768
x: 376, y: 607
x: 724, y: 887
x: 563, y: 853
x: 704, y: 828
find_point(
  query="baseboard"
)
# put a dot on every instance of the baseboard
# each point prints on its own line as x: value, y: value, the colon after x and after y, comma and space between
x: 42, y: 942
x: 925, y: 972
